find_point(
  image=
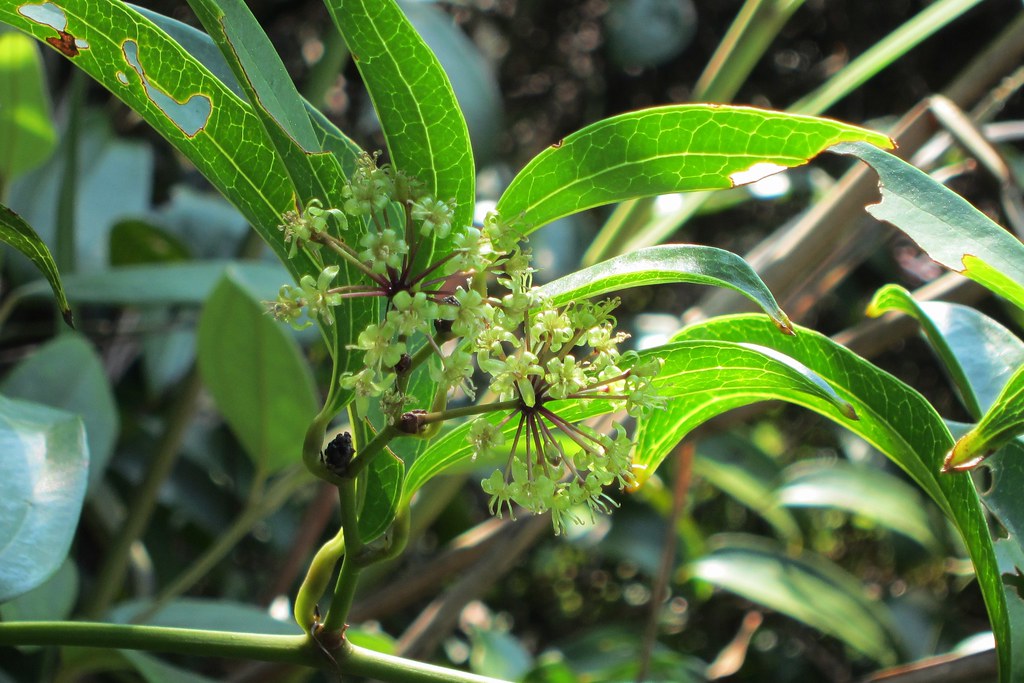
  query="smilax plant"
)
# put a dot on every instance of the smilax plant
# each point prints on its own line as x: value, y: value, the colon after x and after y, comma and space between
x: 442, y: 349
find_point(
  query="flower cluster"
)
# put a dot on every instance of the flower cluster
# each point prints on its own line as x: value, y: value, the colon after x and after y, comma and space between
x: 534, y: 353
x: 538, y: 354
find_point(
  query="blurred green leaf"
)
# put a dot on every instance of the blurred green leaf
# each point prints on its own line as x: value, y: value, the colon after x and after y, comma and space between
x: 498, y: 654
x: 66, y: 373
x: 257, y: 376
x: 52, y: 600
x: 870, y: 493
x: 155, y: 670
x: 169, y: 284
x: 20, y: 235
x: 425, y: 131
x: 136, y: 242
x: 896, y: 420
x: 668, y: 263
x: 804, y: 586
x: 678, y: 148
x: 45, y: 461
x: 207, y: 614
x: 944, y: 224
x: 27, y: 136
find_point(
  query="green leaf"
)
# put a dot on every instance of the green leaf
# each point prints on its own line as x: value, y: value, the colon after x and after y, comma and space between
x: 978, y: 353
x: 20, y: 235
x: 804, y: 586
x: 27, y: 136
x: 896, y: 420
x: 1002, y: 422
x: 169, y: 284
x: 664, y: 264
x: 45, y: 460
x: 869, y: 493
x: 67, y: 374
x: 425, y: 131
x: 944, y: 224
x: 257, y: 376
x: 678, y: 148
x: 384, y: 480
x: 700, y: 379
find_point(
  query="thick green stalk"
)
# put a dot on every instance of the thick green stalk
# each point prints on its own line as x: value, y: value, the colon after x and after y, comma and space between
x: 111, y: 576
x: 301, y: 650
x: 351, y: 566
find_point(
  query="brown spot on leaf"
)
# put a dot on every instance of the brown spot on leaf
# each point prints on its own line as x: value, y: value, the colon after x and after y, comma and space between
x: 65, y: 42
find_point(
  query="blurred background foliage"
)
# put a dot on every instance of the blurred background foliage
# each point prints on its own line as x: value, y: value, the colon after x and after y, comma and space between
x: 772, y: 547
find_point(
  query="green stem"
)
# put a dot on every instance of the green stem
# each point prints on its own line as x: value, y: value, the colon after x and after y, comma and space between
x: 302, y: 650
x: 317, y: 577
x: 468, y: 411
x: 254, y: 511
x: 111, y: 575
x: 351, y: 566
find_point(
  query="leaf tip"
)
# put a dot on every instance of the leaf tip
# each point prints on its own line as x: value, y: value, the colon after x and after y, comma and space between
x: 848, y: 411
x: 69, y: 317
x: 784, y: 324
x: 963, y: 458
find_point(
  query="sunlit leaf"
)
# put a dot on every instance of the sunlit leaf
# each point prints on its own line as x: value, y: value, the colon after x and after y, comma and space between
x: 678, y: 148
x: 897, y: 421
x: 944, y: 224
x: 425, y: 131
x: 663, y: 264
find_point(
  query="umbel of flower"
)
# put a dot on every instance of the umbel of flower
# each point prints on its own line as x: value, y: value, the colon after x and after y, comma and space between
x: 543, y: 355
x: 540, y: 358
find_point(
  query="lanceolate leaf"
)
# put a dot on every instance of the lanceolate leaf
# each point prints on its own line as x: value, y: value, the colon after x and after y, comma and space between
x: 1003, y: 421
x: 665, y: 264
x: 805, y: 586
x: 423, y: 125
x: 45, y: 462
x: 945, y: 225
x: 700, y: 380
x: 979, y: 354
x: 20, y: 235
x: 896, y: 420
x: 679, y: 148
x: 257, y: 376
